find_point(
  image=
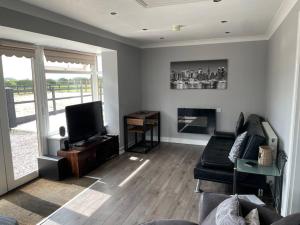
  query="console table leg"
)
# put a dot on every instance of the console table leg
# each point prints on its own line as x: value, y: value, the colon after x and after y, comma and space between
x: 158, y: 130
x: 151, y: 137
x: 198, y: 189
x: 234, y: 179
x: 125, y: 134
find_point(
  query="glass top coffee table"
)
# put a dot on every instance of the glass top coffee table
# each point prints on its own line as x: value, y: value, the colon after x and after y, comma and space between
x: 242, y: 166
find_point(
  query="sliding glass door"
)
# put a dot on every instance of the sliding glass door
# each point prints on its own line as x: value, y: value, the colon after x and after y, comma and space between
x: 19, y: 136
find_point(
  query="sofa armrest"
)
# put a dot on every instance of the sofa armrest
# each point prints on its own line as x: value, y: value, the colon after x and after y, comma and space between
x: 293, y: 219
x: 209, y: 201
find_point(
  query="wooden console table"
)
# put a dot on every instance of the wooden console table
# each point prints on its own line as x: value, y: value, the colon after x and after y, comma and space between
x: 83, y: 159
x: 139, y: 123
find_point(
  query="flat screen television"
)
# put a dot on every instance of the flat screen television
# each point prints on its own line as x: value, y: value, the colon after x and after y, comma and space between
x: 84, y: 121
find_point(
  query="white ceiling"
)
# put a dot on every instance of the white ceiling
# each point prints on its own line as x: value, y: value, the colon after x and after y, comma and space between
x: 201, y: 19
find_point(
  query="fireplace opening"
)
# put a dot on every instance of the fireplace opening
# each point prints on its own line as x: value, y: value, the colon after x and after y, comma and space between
x: 197, y: 121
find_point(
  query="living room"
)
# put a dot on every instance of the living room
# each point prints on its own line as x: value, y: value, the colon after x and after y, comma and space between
x: 160, y: 59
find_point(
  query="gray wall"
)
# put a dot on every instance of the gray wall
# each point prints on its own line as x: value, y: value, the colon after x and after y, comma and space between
x: 279, y: 95
x: 128, y: 56
x: 246, y: 84
x: 111, y: 91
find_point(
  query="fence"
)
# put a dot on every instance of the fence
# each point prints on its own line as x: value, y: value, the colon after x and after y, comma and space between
x: 14, y: 121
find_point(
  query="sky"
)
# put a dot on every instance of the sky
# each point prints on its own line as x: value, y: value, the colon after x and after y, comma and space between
x: 17, y: 68
x: 20, y: 69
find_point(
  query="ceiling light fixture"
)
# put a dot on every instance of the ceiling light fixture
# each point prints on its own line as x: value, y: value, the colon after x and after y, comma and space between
x: 177, y: 27
x: 113, y: 13
x: 144, y: 29
x: 224, y: 21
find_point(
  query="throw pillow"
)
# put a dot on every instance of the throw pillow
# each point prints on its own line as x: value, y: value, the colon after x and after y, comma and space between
x: 211, y: 218
x: 239, y: 124
x: 228, y: 212
x: 252, y: 218
x: 237, y: 147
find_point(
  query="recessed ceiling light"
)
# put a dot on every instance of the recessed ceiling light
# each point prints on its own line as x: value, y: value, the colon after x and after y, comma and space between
x: 227, y: 32
x: 161, y: 38
x: 177, y: 27
x: 144, y: 29
x: 113, y: 13
x: 224, y: 21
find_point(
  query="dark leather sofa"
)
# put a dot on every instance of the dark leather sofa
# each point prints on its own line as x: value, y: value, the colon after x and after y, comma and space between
x: 214, y: 164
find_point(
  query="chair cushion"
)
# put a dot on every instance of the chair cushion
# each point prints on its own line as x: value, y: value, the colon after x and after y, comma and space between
x: 239, y: 124
x: 215, y: 154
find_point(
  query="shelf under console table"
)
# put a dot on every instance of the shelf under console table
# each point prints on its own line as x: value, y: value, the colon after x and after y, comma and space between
x: 140, y: 123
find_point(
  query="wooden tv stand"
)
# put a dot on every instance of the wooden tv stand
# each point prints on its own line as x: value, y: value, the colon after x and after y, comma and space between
x: 84, y: 158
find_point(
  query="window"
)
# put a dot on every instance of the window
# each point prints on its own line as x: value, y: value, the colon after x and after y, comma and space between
x: 67, y: 84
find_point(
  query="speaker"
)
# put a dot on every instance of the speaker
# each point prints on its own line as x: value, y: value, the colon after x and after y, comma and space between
x: 53, y: 167
x: 62, y: 131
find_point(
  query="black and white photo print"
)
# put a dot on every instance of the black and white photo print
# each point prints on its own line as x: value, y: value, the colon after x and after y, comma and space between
x: 202, y: 74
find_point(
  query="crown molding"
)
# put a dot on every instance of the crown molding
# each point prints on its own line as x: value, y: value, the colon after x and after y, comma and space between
x: 283, y: 11
x: 207, y: 41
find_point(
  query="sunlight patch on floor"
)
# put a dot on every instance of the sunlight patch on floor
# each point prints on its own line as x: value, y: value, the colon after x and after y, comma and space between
x: 134, y: 173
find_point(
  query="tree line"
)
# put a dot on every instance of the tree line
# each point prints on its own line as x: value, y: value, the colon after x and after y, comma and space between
x: 11, y: 82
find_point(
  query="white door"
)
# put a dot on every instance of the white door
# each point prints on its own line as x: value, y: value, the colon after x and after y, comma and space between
x: 19, y: 145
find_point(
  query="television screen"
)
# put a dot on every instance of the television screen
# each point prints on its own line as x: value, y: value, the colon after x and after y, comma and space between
x: 84, y: 121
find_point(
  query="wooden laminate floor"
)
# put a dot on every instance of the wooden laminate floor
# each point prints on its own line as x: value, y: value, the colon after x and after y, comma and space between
x: 135, y: 188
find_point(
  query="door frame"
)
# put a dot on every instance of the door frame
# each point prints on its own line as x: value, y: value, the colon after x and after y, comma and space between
x: 11, y: 183
x: 3, y: 180
x: 292, y: 182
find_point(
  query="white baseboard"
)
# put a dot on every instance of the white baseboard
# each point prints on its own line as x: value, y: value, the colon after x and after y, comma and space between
x: 184, y: 141
x: 174, y: 140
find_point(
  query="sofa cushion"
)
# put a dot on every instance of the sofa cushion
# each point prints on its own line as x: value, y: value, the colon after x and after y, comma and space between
x: 266, y: 216
x: 293, y: 219
x: 238, y: 147
x: 256, y: 137
x: 215, y: 154
x: 211, y: 174
x: 252, y: 147
x: 239, y: 124
x: 211, y: 218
